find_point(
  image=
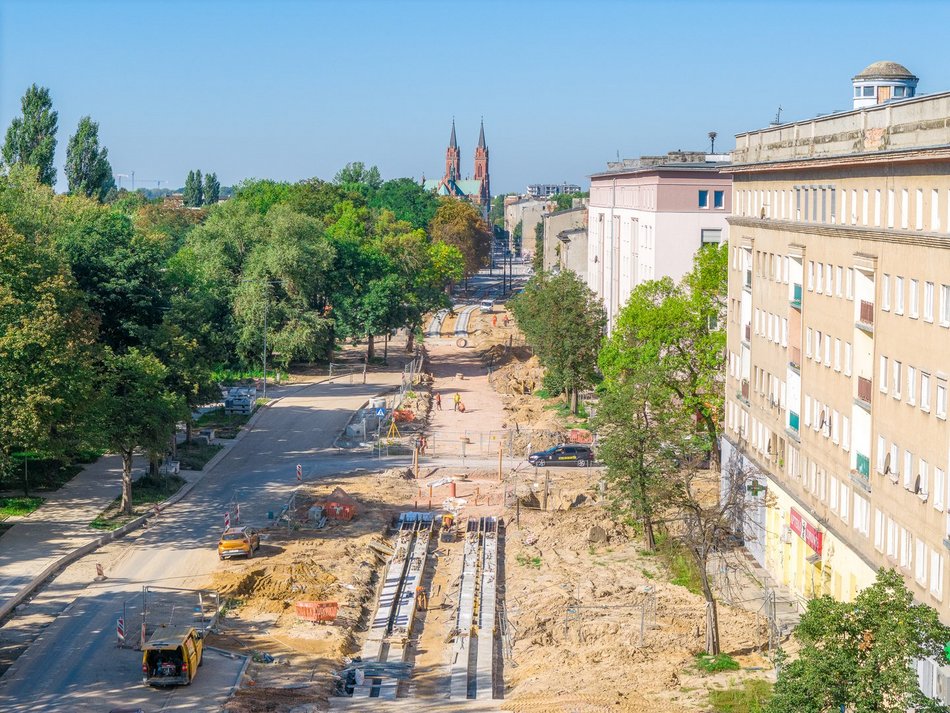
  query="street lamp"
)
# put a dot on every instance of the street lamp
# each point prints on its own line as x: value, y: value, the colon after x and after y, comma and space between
x: 265, y: 283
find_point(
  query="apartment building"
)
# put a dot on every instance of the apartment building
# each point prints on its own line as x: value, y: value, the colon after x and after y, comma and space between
x: 564, y: 239
x: 546, y: 190
x: 649, y: 216
x: 839, y: 344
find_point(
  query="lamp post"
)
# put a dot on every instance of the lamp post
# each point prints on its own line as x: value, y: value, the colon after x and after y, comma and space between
x: 265, y: 283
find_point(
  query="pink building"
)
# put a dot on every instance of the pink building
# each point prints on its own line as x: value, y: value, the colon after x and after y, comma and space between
x: 649, y: 216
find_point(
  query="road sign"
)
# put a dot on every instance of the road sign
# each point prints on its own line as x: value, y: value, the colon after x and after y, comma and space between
x: 299, y: 472
x: 227, y: 520
x: 120, y: 630
x: 238, y: 512
x: 380, y: 412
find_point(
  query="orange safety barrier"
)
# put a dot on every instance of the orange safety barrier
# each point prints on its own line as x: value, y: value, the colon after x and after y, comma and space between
x: 580, y: 435
x: 317, y: 611
x: 403, y: 415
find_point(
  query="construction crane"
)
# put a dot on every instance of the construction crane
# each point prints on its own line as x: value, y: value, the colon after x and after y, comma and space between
x: 131, y: 175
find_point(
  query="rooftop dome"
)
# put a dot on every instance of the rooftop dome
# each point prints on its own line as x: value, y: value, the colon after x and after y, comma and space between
x: 885, y: 70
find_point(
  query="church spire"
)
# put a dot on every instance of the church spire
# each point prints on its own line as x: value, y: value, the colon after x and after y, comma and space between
x: 481, y: 135
x: 452, y: 142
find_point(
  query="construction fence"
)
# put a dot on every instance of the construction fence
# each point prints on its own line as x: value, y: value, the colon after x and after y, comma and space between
x: 159, y: 607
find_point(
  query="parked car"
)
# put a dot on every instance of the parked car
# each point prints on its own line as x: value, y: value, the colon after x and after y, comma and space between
x: 564, y: 454
x: 486, y: 305
x: 237, y: 541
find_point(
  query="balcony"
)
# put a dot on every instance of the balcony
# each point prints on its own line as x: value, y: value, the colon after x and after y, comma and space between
x: 793, y: 421
x: 864, y: 390
x: 748, y: 279
x: 796, y: 300
x: 795, y: 357
x: 747, y: 332
x: 863, y: 465
x: 866, y: 315
x: 744, y: 391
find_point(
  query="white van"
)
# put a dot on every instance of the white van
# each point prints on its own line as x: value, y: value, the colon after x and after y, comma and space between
x: 486, y: 305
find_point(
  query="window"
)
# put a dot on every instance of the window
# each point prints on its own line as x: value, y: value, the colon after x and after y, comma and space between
x: 864, y: 207
x: 867, y: 91
x: 920, y: 571
x: 718, y: 199
x: 708, y: 236
x: 862, y: 515
x: 890, y: 208
x: 819, y: 268
x: 928, y: 302
x: 911, y: 385
x: 924, y: 473
x: 934, y: 210
x: 881, y: 447
x: 835, y: 433
x: 829, y: 278
x: 936, y: 573
x: 810, y: 282
x: 905, y: 208
x: 877, y: 208
x: 847, y: 358
x: 885, y: 292
x: 907, y: 548
x: 919, y: 210
x: 924, y: 391
x: 896, y: 369
x: 833, y: 495
x: 940, y: 483
x: 849, y: 292
x: 827, y: 350
x: 945, y: 305
x: 913, y: 298
x: 704, y: 199
x: 838, y: 281
x: 899, y: 92
x: 845, y: 433
x: 837, y: 354
x: 898, y: 295
x: 941, y: 402
x: 882, y: 375
x: 908, y: 469
x: 878, y: 530
x: 845, y: 495
x: 891, y: 539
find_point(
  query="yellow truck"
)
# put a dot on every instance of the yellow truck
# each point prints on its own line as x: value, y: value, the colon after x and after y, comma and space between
x: 171, y: 656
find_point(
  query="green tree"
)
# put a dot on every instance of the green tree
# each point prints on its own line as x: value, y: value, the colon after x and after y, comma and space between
x: 637, y: 430
x: 119, y: 270
x: 458, y: 223
x: 137, y: 410
x: 537, y: 262
x: 31, y: 138
x: 199, y: 191
x: 859, y: 656
x: 88, y: 171
x: 407, y: 200
x: 260, y: 195
x: 212, y: 189
x: 189, y: 195
x: 356, y: 176
x: 47, y: 347
x: 564, y: 321
x: 516, y: 238
x: 497, y: 213
x: 679, y: 327
x: 564, y: 201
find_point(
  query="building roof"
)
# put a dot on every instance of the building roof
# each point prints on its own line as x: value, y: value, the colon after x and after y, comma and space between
x: 623, y: 169
x: 481, y: 136
x: 565, y: 235
x: 453, y: 144
x: 885, y: 70
x: 465, y: 187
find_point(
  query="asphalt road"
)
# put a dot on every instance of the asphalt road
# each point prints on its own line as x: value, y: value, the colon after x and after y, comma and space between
x: 75, y: 666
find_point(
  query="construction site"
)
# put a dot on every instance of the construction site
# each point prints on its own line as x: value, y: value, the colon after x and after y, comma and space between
x: 470, y: 580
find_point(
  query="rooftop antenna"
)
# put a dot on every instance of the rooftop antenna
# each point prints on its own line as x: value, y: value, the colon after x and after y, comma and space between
x: 618, y: 154
x: 778, y: 117
x: 712, y: 141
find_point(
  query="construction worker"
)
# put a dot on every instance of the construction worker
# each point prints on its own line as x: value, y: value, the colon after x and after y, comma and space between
x: 422, y: 445
x: 438, y: 402
x: 494, y: 320
x: 422, y: 599
x: 457, y: 399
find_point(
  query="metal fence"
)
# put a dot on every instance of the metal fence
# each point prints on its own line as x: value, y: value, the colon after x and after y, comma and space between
x: 168, y: 606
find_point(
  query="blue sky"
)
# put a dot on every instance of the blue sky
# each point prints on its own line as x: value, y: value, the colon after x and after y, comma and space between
x: 289, y: 90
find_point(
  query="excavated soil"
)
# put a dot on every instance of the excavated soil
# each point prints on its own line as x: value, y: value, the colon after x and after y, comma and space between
x: 332, y: 564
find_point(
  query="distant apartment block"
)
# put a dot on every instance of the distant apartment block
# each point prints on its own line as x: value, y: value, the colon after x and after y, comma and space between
x: 527, y: 212
x: 565, y: 240
x: 546, y: 190
x: 649, y: 216
x: 838, y: 342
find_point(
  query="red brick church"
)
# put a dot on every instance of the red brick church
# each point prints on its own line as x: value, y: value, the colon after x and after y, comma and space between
x: 475, y: 190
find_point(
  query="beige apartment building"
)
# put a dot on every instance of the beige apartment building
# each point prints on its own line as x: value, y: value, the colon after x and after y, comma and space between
x: 839, y: 344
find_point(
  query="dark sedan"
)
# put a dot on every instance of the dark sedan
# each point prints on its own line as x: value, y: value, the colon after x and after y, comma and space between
x: 580, y: 456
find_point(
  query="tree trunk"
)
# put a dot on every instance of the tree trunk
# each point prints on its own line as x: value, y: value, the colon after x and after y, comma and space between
x: 188, y: 426
x: 153, y: 464
x: 712, y: 613
x: 411, y: 339
x: 370, y: 348
x: 648, y: 533
x: 386, y: 348
x: 715, y: 454
x: 573, y: 401
x: 126, y: 505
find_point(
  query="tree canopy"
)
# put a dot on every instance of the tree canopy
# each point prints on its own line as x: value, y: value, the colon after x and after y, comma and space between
x: 31, y: 138
x: 564, y: 321
x: 88, y: 171
x: 459, y: 224
x: 860, y: 656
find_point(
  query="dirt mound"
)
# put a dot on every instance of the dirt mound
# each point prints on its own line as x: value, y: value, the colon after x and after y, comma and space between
x: 276, y: 588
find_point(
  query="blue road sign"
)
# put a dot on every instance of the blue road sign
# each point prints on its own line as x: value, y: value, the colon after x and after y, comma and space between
x: 380, y: 412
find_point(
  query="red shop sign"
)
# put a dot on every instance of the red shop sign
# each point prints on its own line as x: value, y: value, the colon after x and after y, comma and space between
x: 809, y: 533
